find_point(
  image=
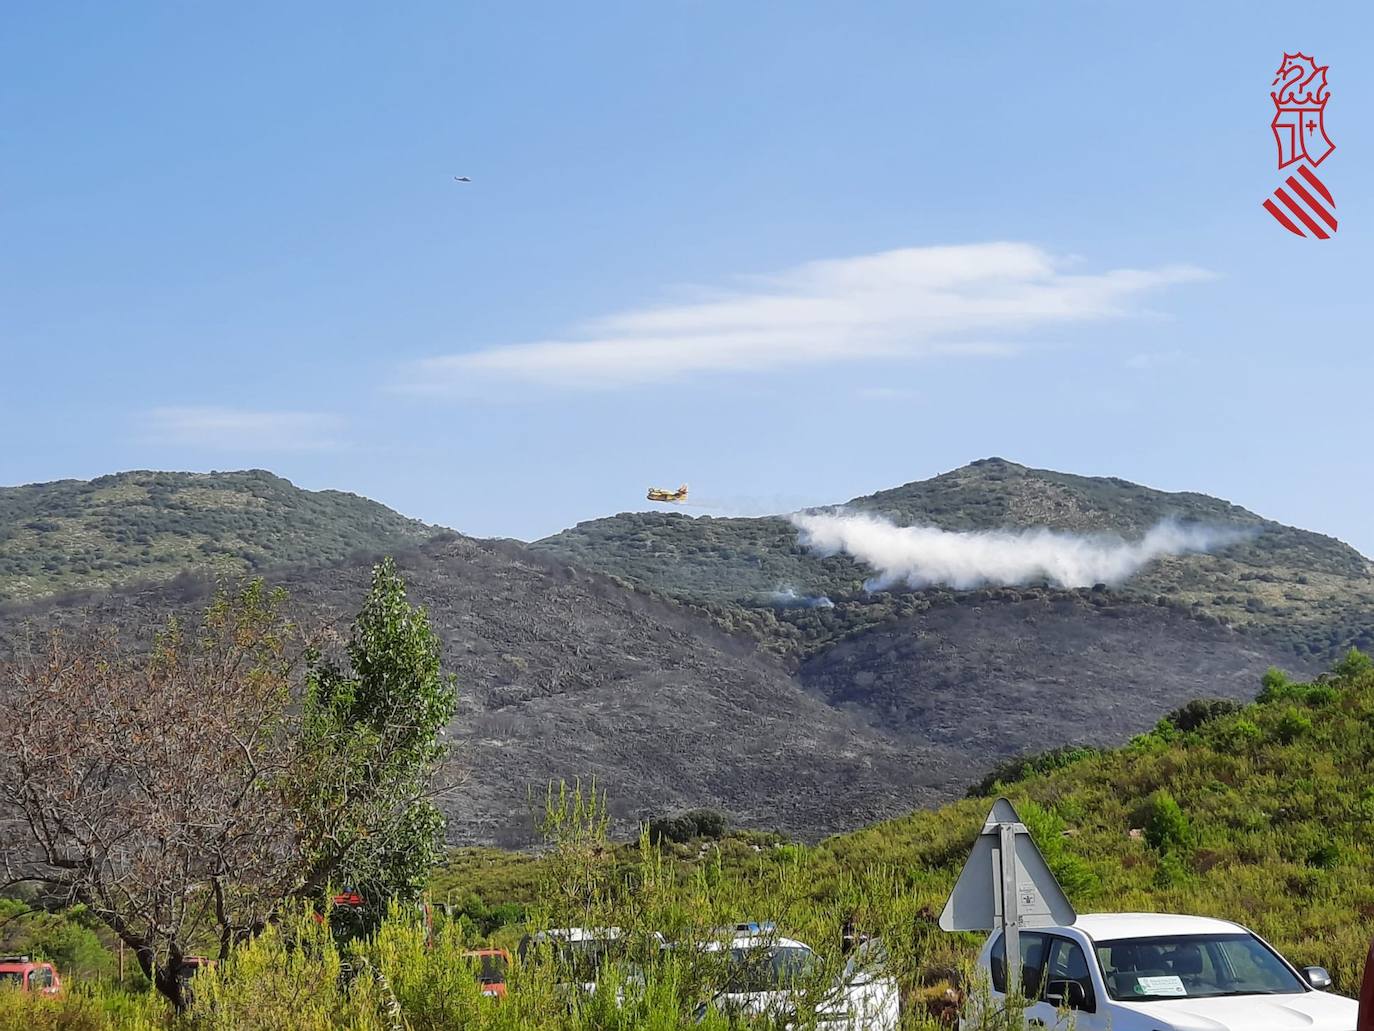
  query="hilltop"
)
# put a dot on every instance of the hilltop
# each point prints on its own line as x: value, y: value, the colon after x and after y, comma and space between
x: 1308, y: 594
x: 131, y: 527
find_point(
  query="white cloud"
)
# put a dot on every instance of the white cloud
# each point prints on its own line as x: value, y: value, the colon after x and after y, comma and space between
x: 241, y: 428
x: 913, y: 302
x: 921, y: 556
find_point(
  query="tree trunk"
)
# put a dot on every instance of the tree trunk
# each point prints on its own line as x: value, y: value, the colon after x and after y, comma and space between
x: 169, y: 983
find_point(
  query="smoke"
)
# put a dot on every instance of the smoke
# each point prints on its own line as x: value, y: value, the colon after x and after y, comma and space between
x: 923, y: 556
x: 788, y: 598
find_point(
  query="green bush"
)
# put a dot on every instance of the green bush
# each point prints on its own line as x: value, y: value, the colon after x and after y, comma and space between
x: 1167, y: 828
x: 1201, y: 711
x: 1292, y: 725
x: 688, y: 826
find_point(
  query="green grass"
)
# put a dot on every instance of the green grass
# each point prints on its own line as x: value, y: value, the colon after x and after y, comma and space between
x: 1262, y: 815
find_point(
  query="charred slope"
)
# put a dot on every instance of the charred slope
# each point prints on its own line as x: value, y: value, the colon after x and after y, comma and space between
x: 1004, y: 676
x: 564, y: 673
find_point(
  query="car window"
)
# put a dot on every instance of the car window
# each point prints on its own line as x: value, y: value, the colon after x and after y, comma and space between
x: 1032, y: 963
x: 40, y: 977
x: 11, y: 977
x: 1067, y: 962
x: 869, y: 960
x: 1196, y: 965
x: 768, y: 969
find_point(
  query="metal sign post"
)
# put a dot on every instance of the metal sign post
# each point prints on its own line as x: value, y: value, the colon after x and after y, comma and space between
x: 1006, y: 885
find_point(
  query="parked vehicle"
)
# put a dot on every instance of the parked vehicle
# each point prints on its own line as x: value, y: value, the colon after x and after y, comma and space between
x: 491, y: 966
x: 1159, y: 972
x: 765, y: 973
x: 582, y: 952
x: 24, y: 974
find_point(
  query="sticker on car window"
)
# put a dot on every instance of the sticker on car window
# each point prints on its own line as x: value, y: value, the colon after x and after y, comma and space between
x: 1171, y: 984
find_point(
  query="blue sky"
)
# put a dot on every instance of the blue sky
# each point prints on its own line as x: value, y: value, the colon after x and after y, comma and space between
x: 789, y: 253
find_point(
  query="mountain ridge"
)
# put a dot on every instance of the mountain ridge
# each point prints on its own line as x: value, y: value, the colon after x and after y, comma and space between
x: 150, y: 526
x: 1310, y: 593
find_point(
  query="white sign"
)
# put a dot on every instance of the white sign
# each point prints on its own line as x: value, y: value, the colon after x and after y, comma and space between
x: 978, y: 900
x: 1171, y: 984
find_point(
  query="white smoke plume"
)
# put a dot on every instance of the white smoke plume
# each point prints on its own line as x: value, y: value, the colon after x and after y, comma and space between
x: 788, y: 598
x: 924, y: 556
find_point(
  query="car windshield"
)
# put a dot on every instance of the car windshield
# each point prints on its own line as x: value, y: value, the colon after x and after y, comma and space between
x: 1193, y: 966
x: 769, y: 968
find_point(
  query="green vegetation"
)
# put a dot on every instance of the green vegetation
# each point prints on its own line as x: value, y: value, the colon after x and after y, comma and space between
x: 75, y: 535
x: 1310, y: 594
x: 72, y: 939
x: 189, y: 793
x: 1236, y: 817
x: 373, y: 733
x: 689, y: 826
x: 1232, y: 818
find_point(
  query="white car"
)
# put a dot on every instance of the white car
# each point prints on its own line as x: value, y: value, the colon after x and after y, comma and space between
x: 1159, y: 972
x: 582, y: 952
x: 765, y: 973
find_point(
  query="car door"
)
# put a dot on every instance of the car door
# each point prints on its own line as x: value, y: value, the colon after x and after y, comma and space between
x: 1066, y: 996
x: 1033, y: 944
x: 869, y: 995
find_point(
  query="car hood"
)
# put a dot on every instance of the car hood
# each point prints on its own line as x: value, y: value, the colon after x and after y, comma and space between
x: 1311, y: 1011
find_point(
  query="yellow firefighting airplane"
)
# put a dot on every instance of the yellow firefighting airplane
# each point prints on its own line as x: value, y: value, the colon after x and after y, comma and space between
x: 659, y: 494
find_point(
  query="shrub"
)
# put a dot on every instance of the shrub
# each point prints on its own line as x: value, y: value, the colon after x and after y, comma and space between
x: 1353, y: 664
x: 1292, y: 725
x: 1167, y: 828
x: 1202, y: 710
x: 688, y: 826
x: 1010, y: 771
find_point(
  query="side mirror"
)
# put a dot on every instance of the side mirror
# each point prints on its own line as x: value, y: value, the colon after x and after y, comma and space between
x: 1317, y: 977
x: 1065, y: 995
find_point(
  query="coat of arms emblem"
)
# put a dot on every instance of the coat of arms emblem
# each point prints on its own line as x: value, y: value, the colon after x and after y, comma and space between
x: 1303, y: 205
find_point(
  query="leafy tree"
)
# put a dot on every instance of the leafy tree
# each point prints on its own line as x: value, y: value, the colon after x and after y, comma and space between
x: 377, y: 724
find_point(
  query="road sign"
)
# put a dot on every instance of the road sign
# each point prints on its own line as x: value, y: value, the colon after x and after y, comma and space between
x: 992, y: 893
x: 1365, y: 1022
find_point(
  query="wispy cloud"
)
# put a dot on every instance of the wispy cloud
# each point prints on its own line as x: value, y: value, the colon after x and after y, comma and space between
x: 913, y: 302
x: 242, y: 429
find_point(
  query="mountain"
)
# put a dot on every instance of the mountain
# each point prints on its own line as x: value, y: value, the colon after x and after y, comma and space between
x: 1307, y: 594
x: 564, y: 674
x: 652, y: 652
x: 150, y: 526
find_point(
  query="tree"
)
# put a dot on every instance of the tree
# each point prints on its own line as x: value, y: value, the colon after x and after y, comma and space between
x: 376, y: 730
x: 184, y: 792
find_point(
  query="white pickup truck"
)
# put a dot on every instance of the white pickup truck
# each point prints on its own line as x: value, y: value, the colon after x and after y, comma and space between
x: 1158, y: 972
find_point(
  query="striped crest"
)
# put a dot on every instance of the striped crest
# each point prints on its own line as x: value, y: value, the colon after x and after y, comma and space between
x: 1303, y: 205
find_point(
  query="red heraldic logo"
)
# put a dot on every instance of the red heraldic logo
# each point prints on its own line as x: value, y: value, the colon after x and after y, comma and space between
x: 1303, y: 205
